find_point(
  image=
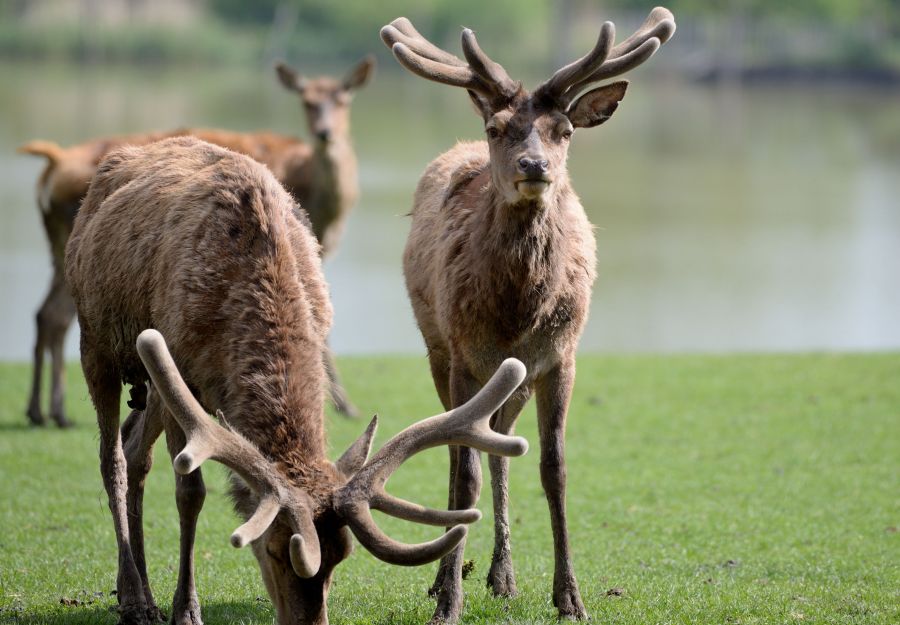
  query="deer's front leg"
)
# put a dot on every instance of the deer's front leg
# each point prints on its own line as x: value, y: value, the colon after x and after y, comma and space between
x: 465, y: 486
x: 553, y: 393
x: 501, y: 579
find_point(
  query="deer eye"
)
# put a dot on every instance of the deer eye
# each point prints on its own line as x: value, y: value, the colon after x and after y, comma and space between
x: 492, y: 132
x: 566, y: 133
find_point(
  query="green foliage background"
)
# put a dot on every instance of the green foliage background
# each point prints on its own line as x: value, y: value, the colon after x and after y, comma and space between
x: 861, y: 32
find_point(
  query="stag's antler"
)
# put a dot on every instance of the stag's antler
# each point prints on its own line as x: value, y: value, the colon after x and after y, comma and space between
x: 466, y: 425
x: 477, y: 73
x: 207, y: 439
x: 605, y: 61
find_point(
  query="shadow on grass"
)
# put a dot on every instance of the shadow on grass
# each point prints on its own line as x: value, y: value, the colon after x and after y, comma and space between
x: 21, y: 426
x: 25, y: 425
x: 259, y: 611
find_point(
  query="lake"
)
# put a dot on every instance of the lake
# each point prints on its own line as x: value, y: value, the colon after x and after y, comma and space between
x: 727, y: 219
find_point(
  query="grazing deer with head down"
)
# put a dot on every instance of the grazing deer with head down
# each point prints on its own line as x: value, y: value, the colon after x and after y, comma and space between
x: 204, y: 246
x: 321, y: 176
x: 500, y: 263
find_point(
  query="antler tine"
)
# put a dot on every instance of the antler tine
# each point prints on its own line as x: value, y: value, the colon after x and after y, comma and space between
x: 391, y: 551
x: 477, y: 73
x: 208, y: 439
x: 466, y: 425
x: 402, y: 31
x: 439, y: 72
x: 619, y: 65
x: 409, y: 511
x: 579, y: 69
x: 660, y: 24
x: 491, y: 71
x: 606, y: 61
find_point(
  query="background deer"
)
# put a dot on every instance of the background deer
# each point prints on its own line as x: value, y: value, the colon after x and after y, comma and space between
x: 500, y: 263
x: 321, y: 176
x: 206, y: 247
x: 61, y: 187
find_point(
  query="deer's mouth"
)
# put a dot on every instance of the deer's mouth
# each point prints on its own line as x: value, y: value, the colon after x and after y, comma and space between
x: 531, y: 188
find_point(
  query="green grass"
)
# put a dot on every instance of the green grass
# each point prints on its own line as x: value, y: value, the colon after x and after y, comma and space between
x: 733, y: 489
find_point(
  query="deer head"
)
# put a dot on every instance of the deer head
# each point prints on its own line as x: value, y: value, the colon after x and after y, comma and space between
x: 298, y: 540
x: 528, y: 133
x: 325, y: 99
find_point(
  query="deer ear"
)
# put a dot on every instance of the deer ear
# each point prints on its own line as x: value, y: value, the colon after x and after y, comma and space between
x: 289, y: 78
x: 482, y: 107
x: 596, y: 106
x: 355, y: 457
x: 361, y: 74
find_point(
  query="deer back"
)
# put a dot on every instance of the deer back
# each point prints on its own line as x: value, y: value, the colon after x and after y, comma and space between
x: 204, y: 245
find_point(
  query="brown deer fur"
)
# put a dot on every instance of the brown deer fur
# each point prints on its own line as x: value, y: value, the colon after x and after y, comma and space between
x: 321, y: 176
x: 205, y: 246
x: 500, y: 263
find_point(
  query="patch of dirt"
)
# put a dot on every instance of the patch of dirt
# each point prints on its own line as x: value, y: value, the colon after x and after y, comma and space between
x: 468, y: 568
x: 616, y: 591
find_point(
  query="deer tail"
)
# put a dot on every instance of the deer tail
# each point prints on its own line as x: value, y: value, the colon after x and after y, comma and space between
x: 47, y: 149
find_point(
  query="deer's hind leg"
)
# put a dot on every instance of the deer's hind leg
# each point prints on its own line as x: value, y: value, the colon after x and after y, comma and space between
x: 336, y: 390
x: 103, y: 382
x: 41, y: 343
x: 53, y: 320
x: 139, y: 433
x: 190, y: 493
x: 63, y: 314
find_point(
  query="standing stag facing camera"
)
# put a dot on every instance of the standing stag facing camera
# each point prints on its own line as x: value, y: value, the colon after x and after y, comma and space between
x: 205, y: 247
x: 500, y: 263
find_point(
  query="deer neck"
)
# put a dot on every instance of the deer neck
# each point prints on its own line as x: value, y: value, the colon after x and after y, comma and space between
x: 279, y: 389
x: 334, y: 175
x: 524, y: 236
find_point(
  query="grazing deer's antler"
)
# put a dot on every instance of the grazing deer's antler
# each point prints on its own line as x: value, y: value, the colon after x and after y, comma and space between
x: 604, y: 61
x: 477, y: 73
x: 466, y: 425
x: 207, y: 439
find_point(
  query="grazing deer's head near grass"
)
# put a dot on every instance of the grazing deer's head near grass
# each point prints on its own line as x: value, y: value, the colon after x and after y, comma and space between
x: 528, y: 133
x: 326, y: 100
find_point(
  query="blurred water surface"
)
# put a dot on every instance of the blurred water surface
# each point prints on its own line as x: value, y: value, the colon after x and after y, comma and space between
x: 727, y: 218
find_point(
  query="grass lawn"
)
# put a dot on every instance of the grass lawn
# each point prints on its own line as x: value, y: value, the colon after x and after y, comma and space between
x: 703, y: 489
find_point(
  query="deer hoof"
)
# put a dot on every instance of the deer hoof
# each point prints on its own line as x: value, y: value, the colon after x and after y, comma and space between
x: 35, y: 417
x: 61, y: 421
x: 134, y: 614
x: 569, y: 604
x: 342, y: 403
x: 155, y: 615
x: 449, y: 605
x: 501, y: 579
x: 187, y: 613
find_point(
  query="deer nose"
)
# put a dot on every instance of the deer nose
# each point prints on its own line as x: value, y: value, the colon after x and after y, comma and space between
x: 324, y: 134
x: 532, y: 166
